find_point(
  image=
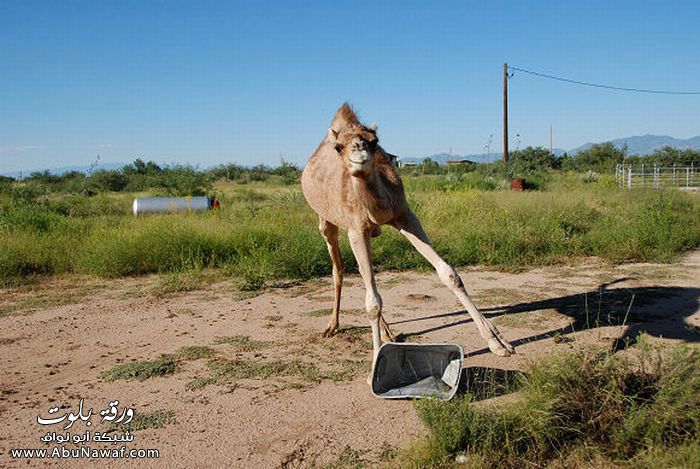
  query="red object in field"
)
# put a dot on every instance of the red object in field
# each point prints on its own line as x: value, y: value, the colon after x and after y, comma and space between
x: 215, y: 203
x: 517, y: 184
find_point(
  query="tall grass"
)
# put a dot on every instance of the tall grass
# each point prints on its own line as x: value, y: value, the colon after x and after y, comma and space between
x: 265, y: 231
x: 578, y: 407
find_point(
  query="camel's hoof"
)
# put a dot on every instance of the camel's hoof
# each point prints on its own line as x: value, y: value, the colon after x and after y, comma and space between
x: 500, y: 347
x: 330, y: 332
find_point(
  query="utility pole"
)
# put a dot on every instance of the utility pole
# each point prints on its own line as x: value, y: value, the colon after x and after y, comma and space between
x: 551, y: 152
x: 505, y: 117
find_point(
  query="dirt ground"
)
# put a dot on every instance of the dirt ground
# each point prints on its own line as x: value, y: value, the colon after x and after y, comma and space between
x: 262, y: 388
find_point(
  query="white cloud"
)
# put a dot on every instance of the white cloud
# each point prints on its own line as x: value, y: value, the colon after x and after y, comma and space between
x: 21, y: 148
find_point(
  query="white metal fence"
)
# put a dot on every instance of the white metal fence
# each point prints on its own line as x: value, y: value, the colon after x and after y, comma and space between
x: 652, y: 176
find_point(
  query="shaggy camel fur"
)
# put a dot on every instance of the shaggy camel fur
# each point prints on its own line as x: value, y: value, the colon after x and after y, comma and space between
x: 352, y: 183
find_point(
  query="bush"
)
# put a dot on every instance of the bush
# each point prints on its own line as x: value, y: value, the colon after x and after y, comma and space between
x: 601, y: 158
x: 579, y: 403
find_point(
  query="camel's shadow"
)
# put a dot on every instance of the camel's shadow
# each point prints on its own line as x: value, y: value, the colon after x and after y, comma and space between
x: 657, y: 310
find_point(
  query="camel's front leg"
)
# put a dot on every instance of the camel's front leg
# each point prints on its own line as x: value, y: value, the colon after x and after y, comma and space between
x: 360, y: 244
x: 411, y: 228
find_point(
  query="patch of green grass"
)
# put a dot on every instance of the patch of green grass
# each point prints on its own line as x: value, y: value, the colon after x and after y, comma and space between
x: 195, y: 352
x: 243, y: 343
x: 199, y: 383
x: 157, y: 419
x: 226, y: 370
x: 265, y: 242
x: 614, y: 407
x: 164, y: 365
x: 318, y: 313
x: 344, y: 370
x: 177, y: 282
x: 142, y: 370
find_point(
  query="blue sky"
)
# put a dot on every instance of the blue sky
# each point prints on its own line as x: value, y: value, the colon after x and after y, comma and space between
x: 205, y: 83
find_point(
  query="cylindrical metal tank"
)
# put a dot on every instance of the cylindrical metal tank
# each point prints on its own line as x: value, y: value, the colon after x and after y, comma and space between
x: 145, y: 205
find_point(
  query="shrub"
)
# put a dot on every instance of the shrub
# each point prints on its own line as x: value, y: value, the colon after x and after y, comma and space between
x: 579, y: 403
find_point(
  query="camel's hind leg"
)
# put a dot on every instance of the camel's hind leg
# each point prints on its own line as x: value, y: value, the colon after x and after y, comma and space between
x: 410, y: 227
x: 330, y: 234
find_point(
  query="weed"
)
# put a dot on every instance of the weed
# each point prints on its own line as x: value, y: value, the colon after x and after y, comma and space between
x: 226, y: 370
x: 318, y: 313
x: 195, y: 352
x: 162, y: 366
x: 142, y: 370
x: 157, y: 419
x: 243, y: 343
x: 344, y: 370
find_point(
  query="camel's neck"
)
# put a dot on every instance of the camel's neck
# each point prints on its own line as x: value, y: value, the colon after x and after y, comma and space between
x: 373, y: 196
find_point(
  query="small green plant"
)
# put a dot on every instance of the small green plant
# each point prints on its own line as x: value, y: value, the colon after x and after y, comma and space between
x: 142, y: 370
x: 243, y: 343
x: 226, y: 370
x: 195, y: 352
x: 162, y: 366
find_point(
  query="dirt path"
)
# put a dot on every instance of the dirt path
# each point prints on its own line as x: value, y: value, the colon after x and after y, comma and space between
x: 262, y: 388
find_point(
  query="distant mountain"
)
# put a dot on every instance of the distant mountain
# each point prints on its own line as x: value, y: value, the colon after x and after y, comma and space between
x: 646, y: 144
x: 638, y: 145
x: 442, y: 158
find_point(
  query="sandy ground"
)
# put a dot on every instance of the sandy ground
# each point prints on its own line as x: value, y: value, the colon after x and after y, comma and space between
x: 58, y: 336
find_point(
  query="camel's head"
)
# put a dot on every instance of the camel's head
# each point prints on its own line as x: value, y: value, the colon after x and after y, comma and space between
x: 356, y: 145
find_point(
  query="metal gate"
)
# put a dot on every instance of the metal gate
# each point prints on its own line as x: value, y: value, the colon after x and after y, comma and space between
x: 652, y: 176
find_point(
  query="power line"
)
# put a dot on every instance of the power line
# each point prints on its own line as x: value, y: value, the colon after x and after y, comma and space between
x: 598, y: 85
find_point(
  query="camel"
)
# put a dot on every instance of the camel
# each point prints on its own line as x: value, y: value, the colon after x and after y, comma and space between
x: 352, y: 183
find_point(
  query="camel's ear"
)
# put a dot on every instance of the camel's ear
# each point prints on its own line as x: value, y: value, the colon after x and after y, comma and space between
x: 333, y: 139
x: 332, y: 135
x: 373, y: 128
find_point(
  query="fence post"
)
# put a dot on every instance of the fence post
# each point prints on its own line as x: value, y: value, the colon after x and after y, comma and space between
x: 629, y: 178
x: 674, y: 174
